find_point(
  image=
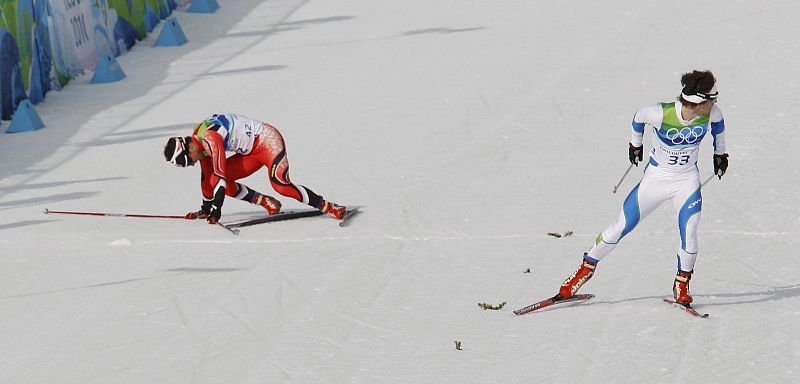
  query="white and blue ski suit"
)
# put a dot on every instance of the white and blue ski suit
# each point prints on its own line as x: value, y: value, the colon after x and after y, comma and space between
x: 671, y: 174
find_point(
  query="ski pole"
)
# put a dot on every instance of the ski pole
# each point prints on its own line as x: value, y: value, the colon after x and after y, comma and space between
x: 707, y: 180
x: 47, y: 211
x: 623, y: 178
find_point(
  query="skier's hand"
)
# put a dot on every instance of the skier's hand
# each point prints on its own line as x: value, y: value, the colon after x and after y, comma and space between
x: 201, y: 214
x: 215, y: 211
x: 634, y: 154
x: 214, y: 215
x: 720, y: 164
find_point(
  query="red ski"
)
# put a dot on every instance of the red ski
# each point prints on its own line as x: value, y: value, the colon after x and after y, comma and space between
x: 686, y: 308
x: 553, y: 300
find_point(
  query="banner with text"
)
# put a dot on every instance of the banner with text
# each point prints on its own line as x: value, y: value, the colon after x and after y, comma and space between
x: 45, y: 43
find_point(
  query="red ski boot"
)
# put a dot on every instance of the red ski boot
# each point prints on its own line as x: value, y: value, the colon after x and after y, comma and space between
x: 272, y: 205
x: 332, y: 209
x: 580, y: 277
x: 681, y: 288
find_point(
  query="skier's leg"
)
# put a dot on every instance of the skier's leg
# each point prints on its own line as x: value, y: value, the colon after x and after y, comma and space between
x: 688, y: 222
x: 279, y: 178
x: 278, y: 164
x: 272, y: 152
x: 689, y: 203
x: 641, y: 201
x: 240, y: 166
x: 280, y: 181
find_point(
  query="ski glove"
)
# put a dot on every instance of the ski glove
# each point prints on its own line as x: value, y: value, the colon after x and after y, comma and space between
x: 720, y: 164
x: 216, y: 205
x: 203, y: 213
x: 634, y: 154
x: 213, y: 216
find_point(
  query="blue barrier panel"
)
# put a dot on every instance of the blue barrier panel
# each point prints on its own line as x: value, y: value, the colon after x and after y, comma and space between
x: 203, y: 6
x: 151, y: 19
x: 25, y: 119
x: 41, y: 63
x: 107, y: 70
x: 171, y: 35
x: 11, y: 87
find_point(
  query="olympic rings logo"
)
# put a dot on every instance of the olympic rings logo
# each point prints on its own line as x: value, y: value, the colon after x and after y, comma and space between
x: 685, y: 135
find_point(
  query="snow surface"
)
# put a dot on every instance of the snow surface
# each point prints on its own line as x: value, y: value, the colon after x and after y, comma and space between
x: 467, y: 130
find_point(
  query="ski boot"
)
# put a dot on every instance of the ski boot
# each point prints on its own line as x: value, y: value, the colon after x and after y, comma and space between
x: 332, y: 209
x: 681, y: 288
x: 271, y: 204
x: 580, y: 277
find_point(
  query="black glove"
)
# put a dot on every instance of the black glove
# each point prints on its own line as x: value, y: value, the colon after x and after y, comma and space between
x: 216, y: 205
x: 206, y: 206
x: 720, y: 164
x: 634, y: 154
x: 203, y: 213
x: 214, y: 215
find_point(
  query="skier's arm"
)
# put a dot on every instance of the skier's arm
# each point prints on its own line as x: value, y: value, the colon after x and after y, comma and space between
x: 648, y: 115
x: 214, y: 146
x: 206, y: 188
x: 718, y: 131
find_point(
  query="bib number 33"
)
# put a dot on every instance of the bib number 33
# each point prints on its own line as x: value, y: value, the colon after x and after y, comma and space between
x: 678, y: 160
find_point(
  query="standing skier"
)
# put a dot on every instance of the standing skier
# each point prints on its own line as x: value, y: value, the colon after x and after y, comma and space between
x: 671, y: 174
x: 257, y: 144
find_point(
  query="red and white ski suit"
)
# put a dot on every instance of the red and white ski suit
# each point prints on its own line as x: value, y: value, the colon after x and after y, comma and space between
x: 256, y: 144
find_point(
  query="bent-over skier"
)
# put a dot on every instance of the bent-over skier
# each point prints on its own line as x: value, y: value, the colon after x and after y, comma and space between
x: 256, y: 144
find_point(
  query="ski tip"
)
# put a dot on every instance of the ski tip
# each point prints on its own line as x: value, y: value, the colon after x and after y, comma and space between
x: 687, y: 308
x: 579, y: 296
x: 46, y: 211
x: 348, y: 215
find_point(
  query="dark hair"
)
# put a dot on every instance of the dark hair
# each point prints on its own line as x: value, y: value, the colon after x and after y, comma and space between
x: 696, y: 82
x: 169, y: 149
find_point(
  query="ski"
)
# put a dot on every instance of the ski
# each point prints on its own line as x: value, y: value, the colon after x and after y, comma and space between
x: 551, y: 301
x: 231, y: 230
x: 348, y: 215
x: 686, y: 308
x: 287, y: 215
